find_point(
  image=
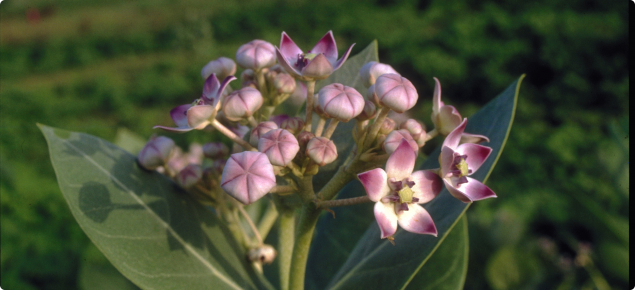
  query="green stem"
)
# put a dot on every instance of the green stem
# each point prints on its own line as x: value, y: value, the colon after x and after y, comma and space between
x: 268, y: 220
x: 285, y: 245
x: 304, y: 235
x: 331, y: 128
x: 342, y: 202
x: 310, y: 90
x: 320, y: 127
x: 374, y: 129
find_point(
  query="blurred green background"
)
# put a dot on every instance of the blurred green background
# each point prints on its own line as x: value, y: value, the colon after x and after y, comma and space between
x: 101, y: 67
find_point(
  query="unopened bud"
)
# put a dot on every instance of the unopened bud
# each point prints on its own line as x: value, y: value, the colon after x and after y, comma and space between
x: 264, y: 254
x: 293, y: 125
x: 321, y: 150
x: 214, y: 150
x: 340, y: 102
x: 190, y: 175
x: 368, y: 112
x: 395, y: 92
x: 260, y: 130
x: 284, y: 83
x: 222, y: 67
x: 156, y: 152
x: 394, y: 139
x: 248, y: 176
x: 387, y: 127
x: 256, y: 54
x: 372, y: 70
x: 279, y: 145
x: 242, y: 103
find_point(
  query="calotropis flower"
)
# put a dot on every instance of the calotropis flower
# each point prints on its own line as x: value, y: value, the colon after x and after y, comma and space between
x: 318, y: 63
x: 248, y: 176
x: 397, y: 193
x: 446, y: 118
x: 458, y: 162
x: 199, y: 113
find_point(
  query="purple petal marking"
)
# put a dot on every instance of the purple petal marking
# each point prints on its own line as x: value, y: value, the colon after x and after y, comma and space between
x: 341, y: 61
x: 375, y: 183
x: 477, y: 154
x: 179, y: 116
x: 386, y: 218
x: 401, y: 162
x: 289, y: 67
x: 210, y: 88
x: 417, y: 220
x: 473, y: 138
x: 171, y: 129
x: 427, y: 185
x: 436, y: 97
x: 319, y: 68
x: 326, y: 46
x: 473, y: 190
x: 453, y: 139
x: 288, y: 49
x: 198, y: 116
x: 446, y: 159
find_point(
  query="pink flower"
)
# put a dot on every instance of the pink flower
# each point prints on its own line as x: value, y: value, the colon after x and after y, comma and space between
x: 279, y: 145
x: 318, y: 63
x: 458, y: 162
x: 199, y: 114
x: 248, y: 176
x: 397, y: 193
x: 446, y: 118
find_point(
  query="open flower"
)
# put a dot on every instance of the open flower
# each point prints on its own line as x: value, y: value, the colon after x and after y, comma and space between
x: 458, y: 162
x: 318, y: 63
x: 446, y: 118
x: 248, y: 176
x: 199, y: 113
x: 397, y: 193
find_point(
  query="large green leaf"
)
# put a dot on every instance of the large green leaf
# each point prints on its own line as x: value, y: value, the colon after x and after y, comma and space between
x: 148, y: 228
x: 447, y: 267
x: 348, y: 75
x: 371, y: 262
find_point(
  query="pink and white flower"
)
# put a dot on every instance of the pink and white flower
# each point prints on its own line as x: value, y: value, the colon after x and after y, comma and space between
x: 318, y: 63
x: 397, y: 193
x: 458, y: 162
x: 202, y: 111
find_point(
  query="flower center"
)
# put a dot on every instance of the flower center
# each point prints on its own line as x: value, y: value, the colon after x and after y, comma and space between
x: 462, y: 167
x: 405, y: 194
x: 303, y: 59
x: 401, y: 195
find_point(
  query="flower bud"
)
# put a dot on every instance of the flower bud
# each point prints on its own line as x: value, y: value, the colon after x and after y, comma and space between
x: 222, y: 67
x: 156, y: 152
x: 340, y: 102
x: 256, y: 54
x: 284, y: 83
x: 279, y: 145
x: 303, y: 139
x: 368, y: 112
x: 387, y: 127
x: 260, y: 130
x: 298, y: 97
x: 248, y: 176
x: 278, y: 119
x: 264, y: 254
x: 321, y: 150
x: 394, y: 139
x: 420, y: 138
x: 215, y: 150
x: 293, y: 125
x: 247, y: 76
x: 372, y: 70
x: 242, y: 103
x: 395, y: 92
x: 413, y: 126
x: 190, y: 175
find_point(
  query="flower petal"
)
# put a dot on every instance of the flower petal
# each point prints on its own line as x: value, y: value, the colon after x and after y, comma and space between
x: 401, y: 162
x: 476, y: 154
x: 447, y: 119
x: 427, y: 185
x: 436, y: 98
x: 473, y: 138
x: 289, y: 67
x: 179, y: 115
x: 318, y: 68
x: 210, y: 88
x: 326, y: 46
x: 198, y: 115
x: 417, y: 220
x: 288, y: 49
x: 473, y: 190
x: 375, y: 182
x: 221, y: 88
x: 341, y: 61
x: 453, y: 139
x: 172, y: 129
x: 386, y: 218
x: 446, y: 159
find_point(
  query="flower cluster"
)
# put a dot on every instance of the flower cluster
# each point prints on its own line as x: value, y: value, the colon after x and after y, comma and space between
x: 280, y: 153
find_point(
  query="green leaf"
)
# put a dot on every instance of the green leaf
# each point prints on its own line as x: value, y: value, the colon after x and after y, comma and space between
x: 447, y: 267
x: 374, y: 263
x: 347, y: 75
x: 149, y: 228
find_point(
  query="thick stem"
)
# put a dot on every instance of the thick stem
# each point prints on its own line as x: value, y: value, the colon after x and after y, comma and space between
x: 252, y: 121
x: 310, y: 90
x: 331, y: 128
x: 342, y: 202
x: 268, y: 220
x: 286, y: 240
x: 282, y: 189
x: 304, y: 235
x: 431, y: 134
x: 320, y: 127
x: 232, y: 136
x: 374, y: 129
x: 260, y: 78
